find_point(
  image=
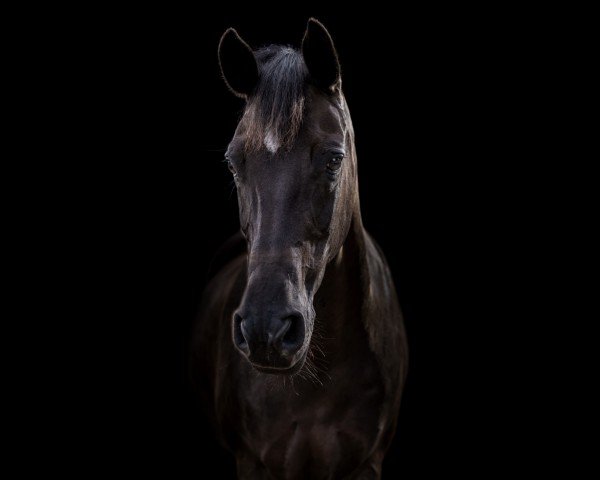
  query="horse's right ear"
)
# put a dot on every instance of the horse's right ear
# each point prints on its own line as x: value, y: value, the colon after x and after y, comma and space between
x: 238, y: 65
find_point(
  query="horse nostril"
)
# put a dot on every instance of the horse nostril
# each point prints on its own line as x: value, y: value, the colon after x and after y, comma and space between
x: 293, y: 337
x: 239, y: 336
x: 288, y: 339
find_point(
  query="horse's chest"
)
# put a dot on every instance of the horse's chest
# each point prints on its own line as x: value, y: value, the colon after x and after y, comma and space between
x: 317, y: 431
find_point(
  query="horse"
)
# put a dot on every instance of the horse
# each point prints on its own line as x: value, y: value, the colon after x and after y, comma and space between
x: 299, y: 350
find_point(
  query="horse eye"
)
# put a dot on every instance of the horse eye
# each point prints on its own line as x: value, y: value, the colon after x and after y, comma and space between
x: 335, y: 163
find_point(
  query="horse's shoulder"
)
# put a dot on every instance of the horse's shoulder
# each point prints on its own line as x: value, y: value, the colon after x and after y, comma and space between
x: 233, y: 248
x: 226, y: 284
x: 224, y: 288
x: 219, y: 299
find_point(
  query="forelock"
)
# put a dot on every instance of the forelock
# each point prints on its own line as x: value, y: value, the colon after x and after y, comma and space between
x: 275, y: 110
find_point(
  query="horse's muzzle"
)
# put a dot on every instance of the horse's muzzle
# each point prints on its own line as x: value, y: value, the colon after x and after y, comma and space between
x: 273, y: 344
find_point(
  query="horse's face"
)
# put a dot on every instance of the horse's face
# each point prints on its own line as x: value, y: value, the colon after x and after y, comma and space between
x: 295, y: 213
x: 295, y: 202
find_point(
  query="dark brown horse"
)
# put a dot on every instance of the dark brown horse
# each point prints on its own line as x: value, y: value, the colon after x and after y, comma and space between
x: 299, y: 352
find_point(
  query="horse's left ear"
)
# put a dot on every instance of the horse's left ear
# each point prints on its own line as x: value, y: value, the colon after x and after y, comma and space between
x: 320, y: 56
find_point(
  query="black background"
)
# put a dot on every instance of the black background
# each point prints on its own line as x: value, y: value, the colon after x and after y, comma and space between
x: 433, y: 97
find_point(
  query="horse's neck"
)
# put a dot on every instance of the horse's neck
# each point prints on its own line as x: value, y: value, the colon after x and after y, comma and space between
x: 340, y: 299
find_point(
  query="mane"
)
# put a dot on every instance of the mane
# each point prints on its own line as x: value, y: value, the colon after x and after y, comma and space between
x: 275, y: 109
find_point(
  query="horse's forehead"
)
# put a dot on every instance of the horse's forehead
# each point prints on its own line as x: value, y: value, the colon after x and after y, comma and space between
x: 271, y: 141
x: 324, y: 116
